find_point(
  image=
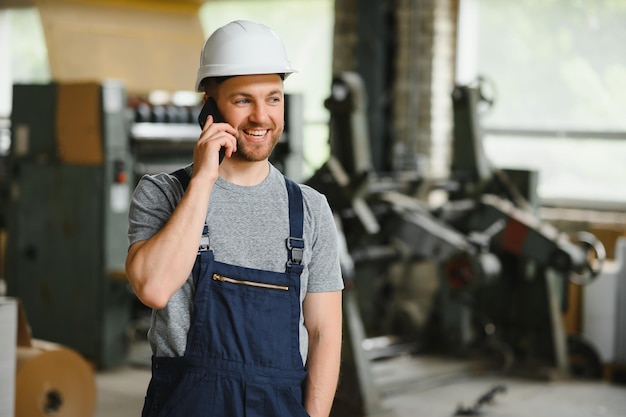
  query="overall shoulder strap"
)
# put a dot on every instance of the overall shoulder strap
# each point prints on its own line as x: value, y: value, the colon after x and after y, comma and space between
x: 182, y: 176
x: 295, y: 242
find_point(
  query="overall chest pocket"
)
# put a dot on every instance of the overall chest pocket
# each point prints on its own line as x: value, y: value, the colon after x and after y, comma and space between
x: 253, y: 319
x: 247, y: 283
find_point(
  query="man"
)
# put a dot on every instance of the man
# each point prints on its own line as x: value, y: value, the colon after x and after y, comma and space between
x: 239, y: 264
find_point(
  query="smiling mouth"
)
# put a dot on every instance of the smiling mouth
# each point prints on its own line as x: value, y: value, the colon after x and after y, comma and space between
x: 256, y: 134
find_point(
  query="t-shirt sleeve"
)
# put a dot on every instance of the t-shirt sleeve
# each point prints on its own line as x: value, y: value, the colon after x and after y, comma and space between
x: 152, y: 204
x: 324, y: 268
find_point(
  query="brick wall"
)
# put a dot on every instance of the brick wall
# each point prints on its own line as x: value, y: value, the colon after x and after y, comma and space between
x: 345, y: 36
x: 423, y: 78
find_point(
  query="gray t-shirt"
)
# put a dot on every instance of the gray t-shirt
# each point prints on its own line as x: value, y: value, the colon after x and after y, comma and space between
x: 247, y: 227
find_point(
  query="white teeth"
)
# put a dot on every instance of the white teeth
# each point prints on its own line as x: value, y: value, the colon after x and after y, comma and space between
x: 256, y: 133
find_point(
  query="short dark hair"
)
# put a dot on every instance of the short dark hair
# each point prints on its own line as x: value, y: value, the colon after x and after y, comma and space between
x: 219, y: 80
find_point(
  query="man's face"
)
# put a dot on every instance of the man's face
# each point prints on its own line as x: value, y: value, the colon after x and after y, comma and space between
x: 254, y: 105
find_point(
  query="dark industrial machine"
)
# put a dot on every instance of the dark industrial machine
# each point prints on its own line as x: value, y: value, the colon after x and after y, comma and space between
x: 479, y: 276
x: 521, y: 307
x: 69, y: 183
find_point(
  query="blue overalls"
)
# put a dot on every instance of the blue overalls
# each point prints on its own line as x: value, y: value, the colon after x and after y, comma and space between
x: 243, y: 354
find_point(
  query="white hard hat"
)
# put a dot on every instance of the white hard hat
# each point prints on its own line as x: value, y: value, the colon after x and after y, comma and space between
x: 242, y: 48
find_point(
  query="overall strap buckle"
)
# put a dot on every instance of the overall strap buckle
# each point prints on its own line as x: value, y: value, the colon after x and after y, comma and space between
x: 204, y: 240
x: 296, y: 250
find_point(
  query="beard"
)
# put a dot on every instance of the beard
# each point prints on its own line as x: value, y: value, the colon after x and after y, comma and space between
x: 255, y: 152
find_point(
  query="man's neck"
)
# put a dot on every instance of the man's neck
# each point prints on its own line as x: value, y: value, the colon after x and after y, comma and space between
x: 244, y: 173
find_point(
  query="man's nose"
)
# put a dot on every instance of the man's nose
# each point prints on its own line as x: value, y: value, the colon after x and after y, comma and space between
x: 259, y: 113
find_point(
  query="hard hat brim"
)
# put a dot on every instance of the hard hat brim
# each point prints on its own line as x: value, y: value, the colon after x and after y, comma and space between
x: 210, y: 71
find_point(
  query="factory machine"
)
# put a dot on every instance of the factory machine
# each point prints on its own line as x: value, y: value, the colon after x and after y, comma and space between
x: 515, y: 305
x: 479, y: 276
x: 77, y: 152
x: 69, y: 186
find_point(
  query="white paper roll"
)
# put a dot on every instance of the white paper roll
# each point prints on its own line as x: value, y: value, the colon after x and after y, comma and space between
x: 8, y: 332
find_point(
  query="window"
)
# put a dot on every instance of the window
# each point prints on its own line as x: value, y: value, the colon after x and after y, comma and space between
x: 559, y: 87
x: 23, y: 48
x: 24, y: 60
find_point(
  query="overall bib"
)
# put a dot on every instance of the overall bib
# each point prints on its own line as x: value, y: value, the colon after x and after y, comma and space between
x: 243, y: 354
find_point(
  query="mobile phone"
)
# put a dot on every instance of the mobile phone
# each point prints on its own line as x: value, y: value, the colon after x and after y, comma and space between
x: 210, y: 107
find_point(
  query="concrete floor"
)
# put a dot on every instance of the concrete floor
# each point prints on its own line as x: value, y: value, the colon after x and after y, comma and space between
x: 121, y: 391
x: 438, y: 387
x: 411, y: 386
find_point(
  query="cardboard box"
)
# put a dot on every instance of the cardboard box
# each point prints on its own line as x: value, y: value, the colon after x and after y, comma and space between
x: 79, y: 123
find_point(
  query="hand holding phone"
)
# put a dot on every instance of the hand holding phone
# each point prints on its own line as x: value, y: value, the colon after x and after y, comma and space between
x: 210, y: 108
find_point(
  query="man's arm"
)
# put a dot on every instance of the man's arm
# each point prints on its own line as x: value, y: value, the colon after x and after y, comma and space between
x: 158, y: 267
x: 322, y: 318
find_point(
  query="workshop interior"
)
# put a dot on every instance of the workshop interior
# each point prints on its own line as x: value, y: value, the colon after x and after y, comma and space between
x: 471, y: 152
